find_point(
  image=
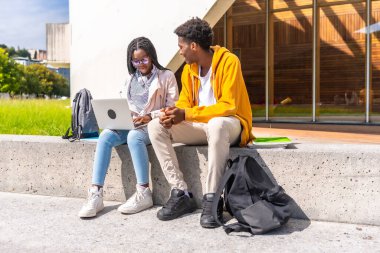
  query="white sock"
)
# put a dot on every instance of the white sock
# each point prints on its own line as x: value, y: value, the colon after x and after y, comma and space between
x: 95, y: 188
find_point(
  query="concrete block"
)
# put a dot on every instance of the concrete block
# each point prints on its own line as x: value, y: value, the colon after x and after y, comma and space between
x: 339, y: 182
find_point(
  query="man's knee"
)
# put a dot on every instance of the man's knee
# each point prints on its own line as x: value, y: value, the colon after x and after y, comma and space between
x: 155, y: 129
x: 217, y: 126
x: 217, y: 122
x: 218, y: 131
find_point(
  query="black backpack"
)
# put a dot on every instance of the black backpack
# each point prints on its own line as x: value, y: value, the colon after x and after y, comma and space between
x: 83, y: 121
x: 258, y: 204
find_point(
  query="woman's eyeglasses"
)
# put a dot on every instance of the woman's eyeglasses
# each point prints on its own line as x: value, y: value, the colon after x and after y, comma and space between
x: 144, y: 61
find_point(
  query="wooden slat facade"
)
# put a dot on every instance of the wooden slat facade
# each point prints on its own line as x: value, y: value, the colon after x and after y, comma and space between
x: 342, y: 49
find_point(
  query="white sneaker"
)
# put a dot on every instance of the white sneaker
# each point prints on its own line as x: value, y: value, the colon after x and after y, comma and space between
x: 94, y: 203
x: 140, y: 200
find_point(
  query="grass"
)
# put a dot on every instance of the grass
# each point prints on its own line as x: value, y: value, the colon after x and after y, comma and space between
x: 34, y: 117
x: 53, y: 117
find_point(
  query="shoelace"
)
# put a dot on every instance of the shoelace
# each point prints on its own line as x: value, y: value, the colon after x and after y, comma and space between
x: 172, y: 202
x: 136, y: 197
x: 92, y: 196
x: 207, y: 208
x: 91, y: 199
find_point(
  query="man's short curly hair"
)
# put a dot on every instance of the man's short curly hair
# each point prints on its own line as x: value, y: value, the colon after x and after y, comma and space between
x: 196, y: 30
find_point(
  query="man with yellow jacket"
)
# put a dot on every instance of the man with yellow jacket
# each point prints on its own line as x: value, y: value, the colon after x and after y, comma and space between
x: 213, y: 108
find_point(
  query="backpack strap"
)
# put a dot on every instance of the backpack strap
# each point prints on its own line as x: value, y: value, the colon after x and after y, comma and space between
x: 264, y: 183
x: 76, y: 136
x: 226, y: 177
x: 254, y: 196
x: 237, y: 226
x: 66, y: 135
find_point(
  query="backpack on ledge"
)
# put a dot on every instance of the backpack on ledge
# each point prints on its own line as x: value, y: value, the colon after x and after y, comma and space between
x: 250, y: 196
x: 83, y: 121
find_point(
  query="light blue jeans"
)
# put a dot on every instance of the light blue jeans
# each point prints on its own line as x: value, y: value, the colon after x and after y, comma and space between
x: 137, y: 141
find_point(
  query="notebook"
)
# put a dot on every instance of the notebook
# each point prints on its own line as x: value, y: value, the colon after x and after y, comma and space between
x: 271, y: 142
x: 113, y: 114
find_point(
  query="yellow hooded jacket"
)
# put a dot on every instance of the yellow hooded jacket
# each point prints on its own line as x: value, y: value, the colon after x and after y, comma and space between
x: 229, y: 90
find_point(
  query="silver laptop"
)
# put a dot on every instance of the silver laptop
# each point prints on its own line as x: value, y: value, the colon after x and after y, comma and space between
x: 113, y: 114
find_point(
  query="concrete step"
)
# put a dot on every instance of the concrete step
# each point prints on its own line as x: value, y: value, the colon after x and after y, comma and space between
x: 330, y: 182
x: 33, y: 223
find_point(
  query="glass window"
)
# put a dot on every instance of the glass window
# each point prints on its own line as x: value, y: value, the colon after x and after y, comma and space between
x: 292, y: 88
x: 248, y: 19
x: 324, y: 2
x: 374, y: 29
x: 342, y: 63
x: 219, y: 33
x: 284, y: 4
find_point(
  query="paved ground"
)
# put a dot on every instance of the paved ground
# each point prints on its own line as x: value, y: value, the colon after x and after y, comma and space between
x: 30, y: 223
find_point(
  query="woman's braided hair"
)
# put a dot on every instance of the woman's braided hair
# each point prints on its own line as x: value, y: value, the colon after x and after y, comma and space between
x: 146, y: 45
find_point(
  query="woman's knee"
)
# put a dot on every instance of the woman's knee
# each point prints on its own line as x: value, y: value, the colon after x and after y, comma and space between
x: 136, y: 137
x: 108, y: 137
x: 106, y: 134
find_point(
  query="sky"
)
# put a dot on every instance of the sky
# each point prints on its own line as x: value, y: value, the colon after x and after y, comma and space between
x: 23, y: 22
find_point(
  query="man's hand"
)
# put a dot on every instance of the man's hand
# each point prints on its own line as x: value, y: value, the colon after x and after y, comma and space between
x: 141, y: 120
x: 172, y: 116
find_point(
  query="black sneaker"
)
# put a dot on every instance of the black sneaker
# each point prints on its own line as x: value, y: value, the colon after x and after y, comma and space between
x: 178, y: 204
x: 207, y: 219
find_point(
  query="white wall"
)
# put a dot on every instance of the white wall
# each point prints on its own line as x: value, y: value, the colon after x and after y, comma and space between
x: 102, y: 30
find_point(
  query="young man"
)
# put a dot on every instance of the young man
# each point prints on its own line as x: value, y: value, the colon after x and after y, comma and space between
x: 213, y: 108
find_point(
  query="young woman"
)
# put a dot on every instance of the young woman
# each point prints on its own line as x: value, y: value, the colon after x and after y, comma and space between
x: 150, y: 88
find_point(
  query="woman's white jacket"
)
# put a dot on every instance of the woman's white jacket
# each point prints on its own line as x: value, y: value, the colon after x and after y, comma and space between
x: 163, y: 92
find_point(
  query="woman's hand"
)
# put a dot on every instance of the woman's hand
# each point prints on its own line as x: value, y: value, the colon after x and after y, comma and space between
x: 141, y: 120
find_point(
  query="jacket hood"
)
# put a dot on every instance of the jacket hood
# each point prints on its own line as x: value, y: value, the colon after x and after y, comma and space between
x: 217, y: 56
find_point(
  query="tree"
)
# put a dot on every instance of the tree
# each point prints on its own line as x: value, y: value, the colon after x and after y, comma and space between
x: 33, y: 79
x: 10, y: 74
x: 23, y: 53
x: 60, y: 86
x: 11, y: 52
x: 49, y: 82
x: 30, y: 83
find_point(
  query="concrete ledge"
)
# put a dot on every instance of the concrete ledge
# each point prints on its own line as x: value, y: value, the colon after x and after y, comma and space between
x: 328, y: 182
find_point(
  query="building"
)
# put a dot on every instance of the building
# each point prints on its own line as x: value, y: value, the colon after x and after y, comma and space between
x: 63, y: 71
x: 58, y: 40
x: 38, y: 54
x: 25, y: 61
x: 58, y: 43
x: 101, y: 32
x: 310, y: 61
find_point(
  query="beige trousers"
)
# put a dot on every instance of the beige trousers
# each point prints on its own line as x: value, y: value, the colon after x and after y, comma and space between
x: 219, y: 133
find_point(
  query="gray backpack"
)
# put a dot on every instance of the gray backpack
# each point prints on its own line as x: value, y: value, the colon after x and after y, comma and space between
x: 83, y: 121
